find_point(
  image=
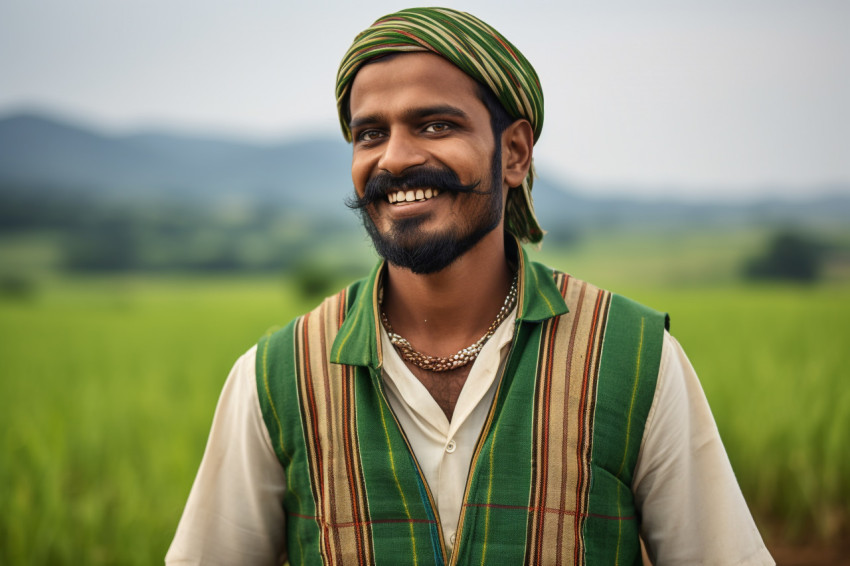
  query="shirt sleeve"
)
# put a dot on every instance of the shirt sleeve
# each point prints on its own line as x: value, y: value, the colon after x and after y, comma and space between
x: 234, y: 514
x: 692, y: 509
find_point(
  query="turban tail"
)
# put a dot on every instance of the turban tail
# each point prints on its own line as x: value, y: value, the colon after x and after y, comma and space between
x: 480, y: 52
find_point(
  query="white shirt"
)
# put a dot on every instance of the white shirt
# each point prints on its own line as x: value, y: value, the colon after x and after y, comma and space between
x: 692, y: 510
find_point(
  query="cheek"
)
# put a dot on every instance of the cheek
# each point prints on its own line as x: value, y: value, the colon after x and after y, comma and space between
x: 471, y: 162
x: 359, y: 175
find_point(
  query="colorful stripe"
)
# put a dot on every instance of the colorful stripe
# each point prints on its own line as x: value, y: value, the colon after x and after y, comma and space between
x: 566, y: 382
x: 327, y: 406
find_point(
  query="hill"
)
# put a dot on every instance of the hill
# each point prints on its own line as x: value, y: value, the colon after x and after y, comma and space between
x: 44, y: 156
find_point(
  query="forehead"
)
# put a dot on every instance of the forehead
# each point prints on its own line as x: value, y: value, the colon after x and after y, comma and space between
x: 411, y: 79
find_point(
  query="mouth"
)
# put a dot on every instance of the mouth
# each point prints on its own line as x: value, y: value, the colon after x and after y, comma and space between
x: 412, y: 195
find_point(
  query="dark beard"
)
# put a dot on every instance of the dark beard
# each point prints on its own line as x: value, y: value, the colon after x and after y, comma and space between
x: 405, y: 246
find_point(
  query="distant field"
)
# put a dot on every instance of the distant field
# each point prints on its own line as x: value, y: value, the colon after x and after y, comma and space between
x: 109, y: 386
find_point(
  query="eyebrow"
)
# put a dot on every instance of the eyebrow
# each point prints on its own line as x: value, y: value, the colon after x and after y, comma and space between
x: 412, y: 114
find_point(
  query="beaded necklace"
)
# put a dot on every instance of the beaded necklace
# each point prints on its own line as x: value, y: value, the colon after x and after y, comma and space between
x: 464, y: 356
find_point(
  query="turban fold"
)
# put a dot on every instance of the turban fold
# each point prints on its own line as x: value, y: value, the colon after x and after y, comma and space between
x: 479, y: 51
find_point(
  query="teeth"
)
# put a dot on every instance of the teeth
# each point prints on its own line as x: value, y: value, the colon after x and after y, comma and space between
x: 412, y: 195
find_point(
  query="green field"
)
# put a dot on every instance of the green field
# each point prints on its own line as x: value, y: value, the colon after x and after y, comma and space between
x: 109, y: 385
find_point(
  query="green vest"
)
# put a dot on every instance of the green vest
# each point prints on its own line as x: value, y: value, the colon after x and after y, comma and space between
x: 550, y: 477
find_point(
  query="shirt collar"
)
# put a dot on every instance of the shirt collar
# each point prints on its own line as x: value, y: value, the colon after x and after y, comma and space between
x: 358, y: 342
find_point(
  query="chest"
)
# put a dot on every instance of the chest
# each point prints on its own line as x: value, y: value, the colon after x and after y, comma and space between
x: 444, y: 386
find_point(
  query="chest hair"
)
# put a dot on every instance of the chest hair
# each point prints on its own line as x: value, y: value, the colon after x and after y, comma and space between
x: 444, y: 386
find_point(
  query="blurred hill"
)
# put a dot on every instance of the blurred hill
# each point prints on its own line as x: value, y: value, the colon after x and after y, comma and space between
x: 54, y: 157
x: 47, y: 156
x: 219, y: 200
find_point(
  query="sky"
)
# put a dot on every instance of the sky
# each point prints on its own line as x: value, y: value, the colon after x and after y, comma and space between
x: 694, y: 99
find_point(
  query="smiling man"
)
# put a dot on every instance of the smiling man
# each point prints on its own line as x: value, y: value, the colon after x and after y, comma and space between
x: 462, y: 404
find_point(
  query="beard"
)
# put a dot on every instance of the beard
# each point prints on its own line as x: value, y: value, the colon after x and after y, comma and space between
x: 406, y: 244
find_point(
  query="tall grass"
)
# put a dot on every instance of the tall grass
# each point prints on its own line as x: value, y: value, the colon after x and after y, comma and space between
x: 109, y: 386
x: 107, y: 394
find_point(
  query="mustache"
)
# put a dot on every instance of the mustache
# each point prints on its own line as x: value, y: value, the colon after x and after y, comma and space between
x: 379, y: 186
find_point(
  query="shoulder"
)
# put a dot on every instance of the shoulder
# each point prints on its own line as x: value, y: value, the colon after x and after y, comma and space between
x: 624, y: 310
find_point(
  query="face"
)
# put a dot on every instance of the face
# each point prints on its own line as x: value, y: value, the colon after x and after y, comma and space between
x: 424, y: 161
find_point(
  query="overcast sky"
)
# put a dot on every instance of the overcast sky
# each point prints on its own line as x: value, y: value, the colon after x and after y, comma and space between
x: 697, y: 98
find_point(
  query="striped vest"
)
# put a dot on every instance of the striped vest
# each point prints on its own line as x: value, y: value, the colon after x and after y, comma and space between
x: 550, y: 478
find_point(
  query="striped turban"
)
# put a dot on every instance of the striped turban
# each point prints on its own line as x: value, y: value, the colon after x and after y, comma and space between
x: 479, y: 51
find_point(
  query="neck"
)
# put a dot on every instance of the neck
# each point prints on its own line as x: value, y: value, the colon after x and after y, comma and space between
x: 439, y: 313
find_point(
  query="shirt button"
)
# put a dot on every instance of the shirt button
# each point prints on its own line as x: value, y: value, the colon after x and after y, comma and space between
x: 452, y: 538
x: 450, y: 447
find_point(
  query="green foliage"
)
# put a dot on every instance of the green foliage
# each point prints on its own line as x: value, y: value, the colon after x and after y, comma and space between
x: 17, y: 287
x: 110, y: 244
x: 313, y: 280
x: 789, y: 256
x: 118, y: 237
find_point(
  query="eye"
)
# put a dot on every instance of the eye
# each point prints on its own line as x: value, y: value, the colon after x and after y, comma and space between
x: 438, y: 127
x: 369, y: 135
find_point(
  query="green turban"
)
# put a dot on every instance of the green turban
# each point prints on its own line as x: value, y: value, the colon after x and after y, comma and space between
x: 479, y: 51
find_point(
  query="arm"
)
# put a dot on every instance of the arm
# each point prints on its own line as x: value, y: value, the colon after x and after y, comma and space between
x: 235, y: 513
x: 692, y: 509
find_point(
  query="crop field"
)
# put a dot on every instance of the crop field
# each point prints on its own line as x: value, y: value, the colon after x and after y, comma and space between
x: 109, y: 385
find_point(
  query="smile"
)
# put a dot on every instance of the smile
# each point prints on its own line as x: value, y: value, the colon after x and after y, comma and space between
x: 412, y: 195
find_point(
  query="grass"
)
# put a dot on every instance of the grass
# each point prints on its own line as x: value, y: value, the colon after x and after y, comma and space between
x: 109, y: 387
x: 105, y: 403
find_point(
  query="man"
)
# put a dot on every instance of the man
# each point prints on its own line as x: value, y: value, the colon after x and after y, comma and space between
x: 461, y: 405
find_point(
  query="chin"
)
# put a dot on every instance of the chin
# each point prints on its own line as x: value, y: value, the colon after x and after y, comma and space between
x: 408, y: 246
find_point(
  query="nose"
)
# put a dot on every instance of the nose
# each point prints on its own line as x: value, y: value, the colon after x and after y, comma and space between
x: 400, y: 152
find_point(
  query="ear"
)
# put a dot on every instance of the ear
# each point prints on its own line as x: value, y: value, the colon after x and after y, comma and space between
x: 517, y: 149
